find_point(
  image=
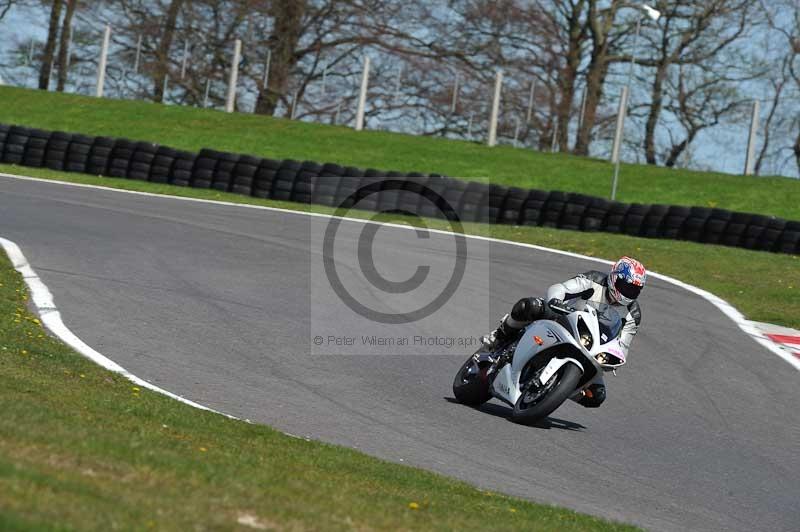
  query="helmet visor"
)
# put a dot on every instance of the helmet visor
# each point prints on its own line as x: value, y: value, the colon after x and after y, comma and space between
x: 631, y: 291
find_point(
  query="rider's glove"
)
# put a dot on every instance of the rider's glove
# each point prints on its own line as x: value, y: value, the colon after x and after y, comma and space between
x: 555, y: 301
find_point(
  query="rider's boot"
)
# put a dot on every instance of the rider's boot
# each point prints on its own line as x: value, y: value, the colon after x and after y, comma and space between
x: 499, y: 337
x: 525, y: 311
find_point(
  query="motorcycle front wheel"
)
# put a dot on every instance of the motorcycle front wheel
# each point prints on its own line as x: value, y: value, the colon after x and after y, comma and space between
x: 471, y: 384
x: 538, y: 402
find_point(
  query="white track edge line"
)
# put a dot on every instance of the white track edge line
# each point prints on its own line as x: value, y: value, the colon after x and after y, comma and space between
x: 51, y: 318
x: 725, y: 307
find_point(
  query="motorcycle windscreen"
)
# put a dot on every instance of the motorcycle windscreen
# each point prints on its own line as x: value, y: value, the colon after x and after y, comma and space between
x: 609, y: 322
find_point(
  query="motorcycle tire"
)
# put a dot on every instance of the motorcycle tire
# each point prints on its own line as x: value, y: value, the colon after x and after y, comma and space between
x: 567, y: 377
x: 471, y: 391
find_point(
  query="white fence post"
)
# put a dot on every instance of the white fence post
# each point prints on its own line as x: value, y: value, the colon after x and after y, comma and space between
x: 101, y: 69
x: 454, y: 102
x: 750, y: 160
x: 623, y: 100
x: 530, y: 101
x: 205, y: 97
x: 554, y: 140
x: 138, y: 55
x: 294, y: 104
x: 469, y: 125
x: 185, y: 59
x: 516, y: 130
x: 362, y: 96
x: 623, y: 107
x: 498, y: 85
x: 266, y: 68
x: 583, y: 110
x: 338, y: 114
x: 231, y: 101
x: 69, y: 48
x: 397, y: 82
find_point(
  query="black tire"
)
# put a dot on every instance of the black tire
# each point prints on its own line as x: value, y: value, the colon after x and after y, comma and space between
x: 553, y: 208
x: 615, y: 217
x: 566, y: 381
x: 512, y: 208
x: 533, y: 207
x: 471, y: 391
x: 594, y: 215
x: 574, y: 211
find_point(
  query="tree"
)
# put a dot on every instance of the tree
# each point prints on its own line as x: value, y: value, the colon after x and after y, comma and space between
x: 6, y: 5
x: 702, y: 99
x: 162, y: 52
x: 783, y: 17
x: 600, y: 22
x: 63, y: 46
x: 288, y: 28
x: 50, y: 45
x: 689, y: 33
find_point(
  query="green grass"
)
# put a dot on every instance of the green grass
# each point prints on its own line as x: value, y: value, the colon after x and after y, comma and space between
x: 82, y: 448
x: 763, y: 286
x: 190, y: 128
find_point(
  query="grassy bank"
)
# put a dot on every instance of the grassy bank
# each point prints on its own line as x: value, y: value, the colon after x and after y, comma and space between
x: 191, y: 128
x: 763, y: 286
x: 84, y: 449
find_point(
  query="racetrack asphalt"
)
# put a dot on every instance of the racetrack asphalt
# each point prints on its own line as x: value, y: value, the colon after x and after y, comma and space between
x: 223, y: 305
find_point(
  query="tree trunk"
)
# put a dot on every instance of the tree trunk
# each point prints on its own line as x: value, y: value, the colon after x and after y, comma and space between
x: 162, y: 53
x: 767, y: 128
x: 595, y: 78
x: 600, y: 27
x: 568, y: 77
x: 657, y: 96
x: 679, y: 148
x: 288, y: 16
x: 63, y: 46
x: 796, y: 149
x: 50, y: 46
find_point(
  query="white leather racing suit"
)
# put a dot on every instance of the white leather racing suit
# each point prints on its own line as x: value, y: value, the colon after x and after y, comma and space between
x: 592, y: 286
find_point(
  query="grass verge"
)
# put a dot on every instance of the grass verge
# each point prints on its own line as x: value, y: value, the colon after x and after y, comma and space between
x: 763, y: 286
x: 83, y: 448
x: 191, y: 128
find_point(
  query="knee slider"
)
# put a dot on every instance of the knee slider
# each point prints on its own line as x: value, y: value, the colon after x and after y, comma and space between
x: 527, y: 309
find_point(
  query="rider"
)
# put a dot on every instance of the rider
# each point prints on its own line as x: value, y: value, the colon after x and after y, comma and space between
x: 619, y: 288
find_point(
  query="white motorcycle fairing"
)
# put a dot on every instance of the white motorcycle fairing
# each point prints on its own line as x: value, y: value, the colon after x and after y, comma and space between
x: 551, y: 361
x: 506, y: 383
x: 544, y: 335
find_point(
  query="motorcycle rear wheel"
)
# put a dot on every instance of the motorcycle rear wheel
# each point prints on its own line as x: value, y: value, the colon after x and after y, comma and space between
x: 472, y: 390
x: 529, y: 410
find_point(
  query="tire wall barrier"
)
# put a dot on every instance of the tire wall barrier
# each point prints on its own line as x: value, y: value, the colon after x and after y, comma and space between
x: 337, y: 186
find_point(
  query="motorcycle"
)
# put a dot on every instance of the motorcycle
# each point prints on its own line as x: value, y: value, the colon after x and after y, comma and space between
x: 552, y: 360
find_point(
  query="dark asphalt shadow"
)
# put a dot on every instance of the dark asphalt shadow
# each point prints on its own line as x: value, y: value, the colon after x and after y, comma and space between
x: 504, y: 411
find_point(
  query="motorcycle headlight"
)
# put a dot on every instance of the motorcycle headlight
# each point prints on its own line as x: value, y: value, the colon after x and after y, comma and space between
x: 584, y: 334
x: 586, y: 340
x: 607, y: 360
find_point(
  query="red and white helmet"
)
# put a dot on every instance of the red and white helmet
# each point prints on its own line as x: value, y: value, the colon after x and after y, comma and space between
x: 626, y: 280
